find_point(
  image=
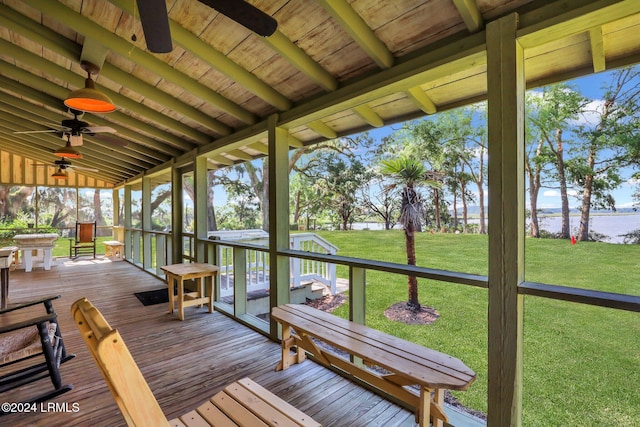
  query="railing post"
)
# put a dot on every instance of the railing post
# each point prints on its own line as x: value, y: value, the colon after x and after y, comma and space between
x: 239, y: 281
x: 357, y: 295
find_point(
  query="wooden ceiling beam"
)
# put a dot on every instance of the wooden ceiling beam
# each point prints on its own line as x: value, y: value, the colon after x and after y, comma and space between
x: 322, y: 129
x: 355, y: 26
x: 259, y: 147
x: 597, y: 50
x: 116, y: 44
x: 368, y: 115
x: 422, y: 100
x: 303, y: 62
x: 470, y: 13
x: 217, y: 60
x: 549, y: 23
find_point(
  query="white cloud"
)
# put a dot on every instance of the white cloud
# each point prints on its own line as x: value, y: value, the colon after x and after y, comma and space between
x: 551, y: 193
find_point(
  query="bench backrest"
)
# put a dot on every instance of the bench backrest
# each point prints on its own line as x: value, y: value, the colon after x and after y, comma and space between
x: 129, y: 388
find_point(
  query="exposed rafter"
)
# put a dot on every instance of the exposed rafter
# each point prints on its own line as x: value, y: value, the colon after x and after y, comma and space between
x: 470, y: 13
x: 597, y: 50
x: 353, y: 24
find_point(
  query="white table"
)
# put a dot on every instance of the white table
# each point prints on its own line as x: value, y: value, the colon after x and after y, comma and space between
x: 28, y: 243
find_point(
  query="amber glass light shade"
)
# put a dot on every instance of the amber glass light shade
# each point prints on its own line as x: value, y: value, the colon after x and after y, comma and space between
x: 89, y: 99
x: 68, y: 152
x: 59, y: 174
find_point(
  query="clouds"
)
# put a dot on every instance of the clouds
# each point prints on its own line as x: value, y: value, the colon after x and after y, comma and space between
x: 556, y: 193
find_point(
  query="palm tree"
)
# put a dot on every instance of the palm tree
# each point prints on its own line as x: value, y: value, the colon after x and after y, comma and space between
x: 407, y: 171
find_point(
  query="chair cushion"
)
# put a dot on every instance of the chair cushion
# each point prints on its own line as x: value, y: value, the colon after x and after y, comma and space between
x: 23, y: 343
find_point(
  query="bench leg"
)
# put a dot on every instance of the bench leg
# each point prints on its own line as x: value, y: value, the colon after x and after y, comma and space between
x: 287, y: 357
x: 431, y: 406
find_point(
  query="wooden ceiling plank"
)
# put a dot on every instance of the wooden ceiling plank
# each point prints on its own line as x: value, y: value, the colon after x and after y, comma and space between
x: 368, y: 115
x: 597, y: 50
x: 422, y: 100
x: 470, y: 13
x: 116, y: 44
x: 355, y: 26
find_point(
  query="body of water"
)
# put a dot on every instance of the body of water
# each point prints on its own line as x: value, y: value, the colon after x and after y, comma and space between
x: 613, y: 226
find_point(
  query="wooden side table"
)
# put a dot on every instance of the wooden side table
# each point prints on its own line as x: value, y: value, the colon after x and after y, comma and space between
x: 178, y: 273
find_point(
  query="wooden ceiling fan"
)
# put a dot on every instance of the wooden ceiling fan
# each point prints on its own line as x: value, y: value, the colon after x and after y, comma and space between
x: 155, y: 20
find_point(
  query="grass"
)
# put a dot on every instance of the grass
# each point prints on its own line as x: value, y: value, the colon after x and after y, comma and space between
x: 581, y: 363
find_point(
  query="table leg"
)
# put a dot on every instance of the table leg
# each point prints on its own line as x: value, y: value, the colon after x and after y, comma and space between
x: 4, y: 292
x: 28, y: 260
x: 180, y: 298
x: 47, y: 258
x: 200, y: 288
x: 170, y: 290
x: 210, y: 283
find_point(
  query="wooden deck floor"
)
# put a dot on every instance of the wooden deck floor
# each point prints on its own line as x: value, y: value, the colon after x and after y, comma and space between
x: 183, y: 362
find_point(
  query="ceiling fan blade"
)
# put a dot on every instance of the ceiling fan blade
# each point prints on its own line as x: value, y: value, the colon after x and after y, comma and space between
x: 37, y: 131
x: 98, y: 129
x: 81, y: 168
x: 155, y: 24
x: 245, y: 14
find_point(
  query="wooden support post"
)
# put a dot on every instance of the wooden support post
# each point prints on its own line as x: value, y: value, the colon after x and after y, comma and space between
x: 506, y: 92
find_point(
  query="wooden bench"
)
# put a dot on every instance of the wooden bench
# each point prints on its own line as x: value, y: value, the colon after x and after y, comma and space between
x: 242, y: 403
x: 403, y: 363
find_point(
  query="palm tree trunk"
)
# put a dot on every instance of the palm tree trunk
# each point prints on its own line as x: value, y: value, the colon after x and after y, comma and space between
x: 412, y: 303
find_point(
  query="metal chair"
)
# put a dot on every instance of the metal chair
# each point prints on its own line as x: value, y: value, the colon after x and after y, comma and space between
x: 84, y: 241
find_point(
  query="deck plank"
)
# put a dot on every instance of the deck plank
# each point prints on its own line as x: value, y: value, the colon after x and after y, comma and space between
x: 185, y: 362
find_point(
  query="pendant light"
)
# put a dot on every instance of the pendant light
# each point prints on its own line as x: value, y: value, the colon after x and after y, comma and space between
x: 60, y: 174
x: 68, y: 151
x: 89, y: 98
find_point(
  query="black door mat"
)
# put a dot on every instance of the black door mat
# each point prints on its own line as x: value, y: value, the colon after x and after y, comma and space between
x: 157, y: 296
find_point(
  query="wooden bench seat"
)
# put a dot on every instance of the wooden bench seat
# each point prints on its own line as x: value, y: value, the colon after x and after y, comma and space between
x: 242, y: 403
x: 403, y: 363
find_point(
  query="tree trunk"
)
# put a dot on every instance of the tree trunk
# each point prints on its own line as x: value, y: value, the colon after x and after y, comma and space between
x: 565, y: 232
x: 585, y: 210
x: 465, y: 209
x: 534, y: 190
x: 436, y: 207
x: 412, y: 303
x: 455, y: 210
x: 480, y: 181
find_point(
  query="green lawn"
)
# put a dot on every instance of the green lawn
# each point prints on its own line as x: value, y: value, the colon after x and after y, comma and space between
x: 581, y: 363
